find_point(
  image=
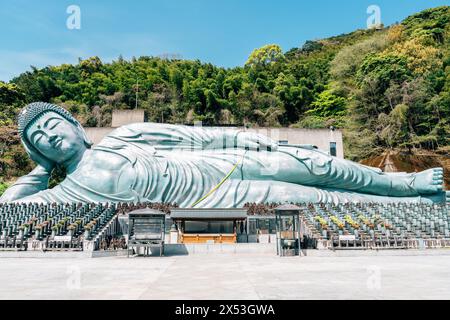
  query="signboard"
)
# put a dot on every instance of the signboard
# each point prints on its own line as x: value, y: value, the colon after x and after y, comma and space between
x: 63, y: 238
x: 347, y: 237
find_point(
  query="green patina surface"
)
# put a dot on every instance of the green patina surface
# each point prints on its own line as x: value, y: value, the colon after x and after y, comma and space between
x: 195, y: 166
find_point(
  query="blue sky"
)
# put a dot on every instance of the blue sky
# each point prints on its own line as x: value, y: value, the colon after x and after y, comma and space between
x: 223, y: 32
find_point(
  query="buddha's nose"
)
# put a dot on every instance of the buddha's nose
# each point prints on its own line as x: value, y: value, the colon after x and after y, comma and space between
x: 52, y: 138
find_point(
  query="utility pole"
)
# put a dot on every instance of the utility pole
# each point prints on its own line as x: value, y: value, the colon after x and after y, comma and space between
x: 137, y: 91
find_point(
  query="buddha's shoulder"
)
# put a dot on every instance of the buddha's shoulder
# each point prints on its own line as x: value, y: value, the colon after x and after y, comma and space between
x: 105, y: 172
x: 103, y: 159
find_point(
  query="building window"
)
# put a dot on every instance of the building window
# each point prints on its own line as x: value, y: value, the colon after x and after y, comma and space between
x: 333, y: 149
x: 283, y: 142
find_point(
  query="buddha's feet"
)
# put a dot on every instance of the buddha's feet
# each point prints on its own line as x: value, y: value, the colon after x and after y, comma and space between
x: 429, y: 181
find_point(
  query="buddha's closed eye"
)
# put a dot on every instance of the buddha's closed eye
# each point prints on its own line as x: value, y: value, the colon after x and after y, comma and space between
x: 49, y: 125
x: 53, y: 123
x: 36, y: 137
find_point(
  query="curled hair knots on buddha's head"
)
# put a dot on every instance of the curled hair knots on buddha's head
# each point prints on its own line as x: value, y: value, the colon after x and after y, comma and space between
x: 34, y: 110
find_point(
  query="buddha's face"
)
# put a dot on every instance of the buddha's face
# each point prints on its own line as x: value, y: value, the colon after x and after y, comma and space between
x: 55, y: 137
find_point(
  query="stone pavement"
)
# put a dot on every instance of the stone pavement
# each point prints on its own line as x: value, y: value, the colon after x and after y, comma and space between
x: 223, y: 276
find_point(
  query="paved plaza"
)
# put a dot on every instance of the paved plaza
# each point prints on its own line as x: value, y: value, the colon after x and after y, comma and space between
x: 222, y: 276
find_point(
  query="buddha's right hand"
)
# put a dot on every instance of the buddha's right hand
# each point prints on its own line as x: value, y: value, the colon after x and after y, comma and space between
x: 35, y: 181
x: 42, y: 163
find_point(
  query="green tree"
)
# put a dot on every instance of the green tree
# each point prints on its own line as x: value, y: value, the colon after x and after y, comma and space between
x: 265, y: 55
x: 327, y: 104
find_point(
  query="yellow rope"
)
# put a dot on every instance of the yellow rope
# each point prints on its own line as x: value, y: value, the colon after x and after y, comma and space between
x: 220, y: 183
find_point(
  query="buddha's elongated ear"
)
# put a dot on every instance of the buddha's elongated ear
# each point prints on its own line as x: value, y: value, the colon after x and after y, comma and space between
x: 88, y: 143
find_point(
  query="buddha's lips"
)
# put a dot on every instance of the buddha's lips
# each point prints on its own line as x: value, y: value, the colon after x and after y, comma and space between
x: 57, y: 143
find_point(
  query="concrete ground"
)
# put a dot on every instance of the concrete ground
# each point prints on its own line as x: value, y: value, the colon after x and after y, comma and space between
x: 227, y: 276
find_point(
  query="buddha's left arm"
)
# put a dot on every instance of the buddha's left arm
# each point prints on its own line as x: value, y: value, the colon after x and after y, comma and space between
x: 32, y: 183
x: 168, y: 136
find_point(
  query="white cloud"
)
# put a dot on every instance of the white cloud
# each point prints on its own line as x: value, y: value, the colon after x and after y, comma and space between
x: 14, y: 63
x: 107, y: 47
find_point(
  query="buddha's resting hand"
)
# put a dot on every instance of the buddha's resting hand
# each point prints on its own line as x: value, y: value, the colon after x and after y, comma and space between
x: 35, y: 181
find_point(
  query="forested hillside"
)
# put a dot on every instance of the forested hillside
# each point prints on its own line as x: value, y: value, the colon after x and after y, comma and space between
x: 388, y: 88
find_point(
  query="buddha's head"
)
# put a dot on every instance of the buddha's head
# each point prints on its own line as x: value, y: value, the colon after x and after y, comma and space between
x: 50, y: 135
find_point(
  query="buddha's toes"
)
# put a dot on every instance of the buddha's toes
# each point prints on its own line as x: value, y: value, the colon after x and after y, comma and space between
x: 429, y: 181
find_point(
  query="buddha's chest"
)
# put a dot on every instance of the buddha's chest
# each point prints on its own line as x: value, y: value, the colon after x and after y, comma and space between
x: 105, y: 172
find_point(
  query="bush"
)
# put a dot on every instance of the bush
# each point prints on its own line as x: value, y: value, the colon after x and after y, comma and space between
x: 3, y: 187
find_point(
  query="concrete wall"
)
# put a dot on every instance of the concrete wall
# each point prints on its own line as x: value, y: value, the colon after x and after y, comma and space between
x: 97, y: 134
x: 123, y: 117
x: 317, y: 137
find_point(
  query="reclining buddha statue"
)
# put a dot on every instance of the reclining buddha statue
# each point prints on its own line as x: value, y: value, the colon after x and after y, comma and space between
x: 196, y: 167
